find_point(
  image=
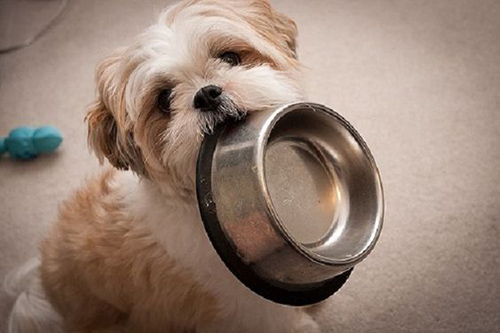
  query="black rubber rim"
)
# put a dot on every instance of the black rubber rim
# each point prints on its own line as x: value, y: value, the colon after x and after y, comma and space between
x: 277, y: 292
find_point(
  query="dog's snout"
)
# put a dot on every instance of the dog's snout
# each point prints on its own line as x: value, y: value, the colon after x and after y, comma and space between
x: 208, y: 98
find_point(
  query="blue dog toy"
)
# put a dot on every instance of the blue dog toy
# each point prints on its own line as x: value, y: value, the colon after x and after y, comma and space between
x: 26, y: 143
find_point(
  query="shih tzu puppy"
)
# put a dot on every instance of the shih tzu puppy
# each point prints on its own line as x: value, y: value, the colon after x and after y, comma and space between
x: 129, y: 252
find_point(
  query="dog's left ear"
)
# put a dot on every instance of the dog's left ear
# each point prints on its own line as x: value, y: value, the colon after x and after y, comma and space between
x: 287, y: 29
x: 284, y: 27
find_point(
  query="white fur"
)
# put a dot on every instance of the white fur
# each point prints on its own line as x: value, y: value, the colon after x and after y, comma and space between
x: 32, y: 312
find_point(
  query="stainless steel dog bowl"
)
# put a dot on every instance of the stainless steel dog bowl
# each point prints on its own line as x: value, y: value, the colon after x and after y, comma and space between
x: 291, y: 199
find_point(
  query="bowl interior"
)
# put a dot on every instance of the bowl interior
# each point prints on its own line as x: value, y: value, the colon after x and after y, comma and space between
x: 323, y: 185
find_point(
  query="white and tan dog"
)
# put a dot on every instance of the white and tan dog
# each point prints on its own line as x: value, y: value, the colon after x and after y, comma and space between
x: 129, y: 252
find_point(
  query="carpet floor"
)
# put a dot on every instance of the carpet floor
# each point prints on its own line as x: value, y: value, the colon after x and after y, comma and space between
x: 420, y: 80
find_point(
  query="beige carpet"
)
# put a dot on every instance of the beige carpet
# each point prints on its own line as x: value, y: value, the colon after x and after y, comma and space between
x: 419, y: 79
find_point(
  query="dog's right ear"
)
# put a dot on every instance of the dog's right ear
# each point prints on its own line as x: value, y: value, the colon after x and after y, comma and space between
x: 102, y: 135
x: 109, y: 132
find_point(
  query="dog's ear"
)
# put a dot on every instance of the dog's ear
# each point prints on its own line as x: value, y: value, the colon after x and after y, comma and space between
x: 287, y: 28
x: 277, y: 27
x: 109, y: 129
x: 103, y: 135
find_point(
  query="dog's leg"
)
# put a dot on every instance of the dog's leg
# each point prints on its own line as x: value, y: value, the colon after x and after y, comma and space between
x: 32, y: 312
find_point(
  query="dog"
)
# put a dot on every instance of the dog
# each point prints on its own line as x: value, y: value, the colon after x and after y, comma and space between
x: 128, y: 252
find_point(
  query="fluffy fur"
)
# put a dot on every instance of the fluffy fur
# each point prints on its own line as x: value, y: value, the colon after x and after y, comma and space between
x: 129, y: 252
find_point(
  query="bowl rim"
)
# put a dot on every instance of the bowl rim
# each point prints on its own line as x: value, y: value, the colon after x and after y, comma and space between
x: 283, y: 293
x: 295, y: 294
x: 278, y: 114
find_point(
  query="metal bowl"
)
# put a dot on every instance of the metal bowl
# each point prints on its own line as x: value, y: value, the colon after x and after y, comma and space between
x: 291, y: 199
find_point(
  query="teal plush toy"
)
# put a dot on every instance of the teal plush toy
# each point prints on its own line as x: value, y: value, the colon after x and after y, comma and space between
x: 26, y: 143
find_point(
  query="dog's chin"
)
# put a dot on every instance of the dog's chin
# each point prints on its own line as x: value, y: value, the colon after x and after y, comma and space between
x: 226, y: 112
x: 210, y: 121
x: 183, y: 162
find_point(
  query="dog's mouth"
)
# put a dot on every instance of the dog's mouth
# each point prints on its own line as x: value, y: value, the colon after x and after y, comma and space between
x: 226, y: 111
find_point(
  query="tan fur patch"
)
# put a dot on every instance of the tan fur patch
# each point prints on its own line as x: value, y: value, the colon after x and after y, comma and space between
x: 276, y: 28
x: 109, y: 129
x: 101, y: 270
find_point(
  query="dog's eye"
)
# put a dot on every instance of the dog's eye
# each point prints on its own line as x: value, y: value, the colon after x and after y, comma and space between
x: 231, y: 58
x: 164, y: 100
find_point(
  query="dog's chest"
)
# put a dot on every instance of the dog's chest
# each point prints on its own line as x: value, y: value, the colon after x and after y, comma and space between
x: 176, y: 225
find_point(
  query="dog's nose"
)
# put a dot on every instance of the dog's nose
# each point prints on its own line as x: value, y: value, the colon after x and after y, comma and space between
x: 207, y: 98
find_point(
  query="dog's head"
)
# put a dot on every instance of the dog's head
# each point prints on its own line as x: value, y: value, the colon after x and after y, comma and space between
x: 203, y: 62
